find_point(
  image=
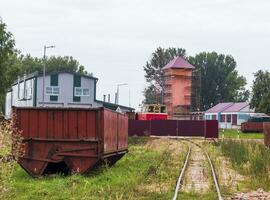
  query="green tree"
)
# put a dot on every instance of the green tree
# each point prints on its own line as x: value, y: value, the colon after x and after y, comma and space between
x: 31, y: 64
x: 14, y: 64
x: 264, y: 105
x: 7, y: 50
x: 154, y: 74
x: 151, y: 95
x: 261, y: 92
x: 219, y: 80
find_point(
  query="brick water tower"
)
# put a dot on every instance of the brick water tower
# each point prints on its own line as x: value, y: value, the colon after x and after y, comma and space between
x: 177, y: 88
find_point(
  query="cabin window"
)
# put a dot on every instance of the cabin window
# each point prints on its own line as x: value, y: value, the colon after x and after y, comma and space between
x: 21, y: 93
x: 163, y: 109
x: 76, y: 84
x: 48, y: 90
x: 79, y: 92
x: 151, y: 109
x: 52, y: 90
x: 86, y: 92
x: 55, y: 91
x: 28, y: 93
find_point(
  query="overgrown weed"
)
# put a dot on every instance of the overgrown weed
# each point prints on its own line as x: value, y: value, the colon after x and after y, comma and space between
x: 251, y: 159
x: 10, y: 150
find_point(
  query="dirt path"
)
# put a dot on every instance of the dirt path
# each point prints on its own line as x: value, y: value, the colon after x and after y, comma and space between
x: 197, y: 175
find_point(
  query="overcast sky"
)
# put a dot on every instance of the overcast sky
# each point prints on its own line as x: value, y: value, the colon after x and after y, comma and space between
x: 114, y: 38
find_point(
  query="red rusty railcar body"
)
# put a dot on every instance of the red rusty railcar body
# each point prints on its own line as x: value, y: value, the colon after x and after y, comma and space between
x: 253, y: 127
x: 79, y: 138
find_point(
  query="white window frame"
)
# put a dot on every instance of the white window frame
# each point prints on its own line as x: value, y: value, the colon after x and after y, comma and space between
x: 52, y: 93
x: 81, y: 94
x: 75, y: 91
x: 86, y: 95
x: 29, y: 93
x: 21, y: 93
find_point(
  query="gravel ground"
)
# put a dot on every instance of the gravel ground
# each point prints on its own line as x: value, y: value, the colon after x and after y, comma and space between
x: 255, y: 195
x: 196, y: 177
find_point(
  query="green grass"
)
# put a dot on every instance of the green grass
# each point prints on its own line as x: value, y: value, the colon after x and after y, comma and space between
x: 146, y: 172
x: 231, y: 133
x: 140, y: 174
x: 249, y: 158
x: 195, y: 196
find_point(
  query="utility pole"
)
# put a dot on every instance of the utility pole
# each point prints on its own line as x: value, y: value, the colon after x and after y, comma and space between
x: 44, y: 69
x: 129, y: 104
x: 117, y: 92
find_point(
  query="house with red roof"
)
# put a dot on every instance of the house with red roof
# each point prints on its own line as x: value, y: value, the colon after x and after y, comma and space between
x: 230, y: 115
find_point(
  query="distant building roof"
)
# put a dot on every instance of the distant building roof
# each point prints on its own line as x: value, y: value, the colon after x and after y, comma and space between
x: 258, y: 115
x: 36, y: 74
x: 219, y: 107
x: 178, y: 63
x: 236, y: 107
x: 228, y: 107
x: 113, y: 106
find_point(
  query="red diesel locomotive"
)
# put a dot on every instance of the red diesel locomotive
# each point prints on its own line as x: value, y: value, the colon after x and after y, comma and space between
x: 152, y: 112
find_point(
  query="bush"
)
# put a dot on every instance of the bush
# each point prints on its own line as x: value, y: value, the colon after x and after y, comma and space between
x: 10, y: 150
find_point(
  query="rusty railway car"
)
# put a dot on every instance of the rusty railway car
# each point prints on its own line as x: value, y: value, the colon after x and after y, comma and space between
x: 70, y: 139
x: 253, y: 127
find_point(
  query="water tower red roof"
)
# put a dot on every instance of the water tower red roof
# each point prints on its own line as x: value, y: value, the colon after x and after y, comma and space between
x: 178, y: 63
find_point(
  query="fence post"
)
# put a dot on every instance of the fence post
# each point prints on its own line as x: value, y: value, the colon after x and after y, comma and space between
x: 150, y: 127
x: 266, y: 132
x: 177, y: 128
x: 204, y: 128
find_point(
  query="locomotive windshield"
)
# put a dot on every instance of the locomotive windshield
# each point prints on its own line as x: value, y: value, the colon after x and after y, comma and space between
x: 154, y: 108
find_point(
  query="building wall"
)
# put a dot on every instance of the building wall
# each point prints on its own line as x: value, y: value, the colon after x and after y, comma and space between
x: 178, y: 85
x: 211, y: 116
x: 22, y: 94
x: 66, y: 96
x: 31, y: 93
x: 180, y: 92
x: 241, y: 117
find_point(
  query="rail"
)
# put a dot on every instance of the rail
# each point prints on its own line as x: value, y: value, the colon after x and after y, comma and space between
x: 181, y: 174
x: 213, y: 173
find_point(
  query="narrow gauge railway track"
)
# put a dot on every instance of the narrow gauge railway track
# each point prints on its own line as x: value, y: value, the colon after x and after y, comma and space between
x: 213, y: 173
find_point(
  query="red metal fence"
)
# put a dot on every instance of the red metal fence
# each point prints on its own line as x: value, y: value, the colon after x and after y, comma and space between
x: 188, y: 128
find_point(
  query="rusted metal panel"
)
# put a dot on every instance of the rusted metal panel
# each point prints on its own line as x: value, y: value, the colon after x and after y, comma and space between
x: 131, y: 115
x: 42, y: 124
x: 78, y: 137
x: 256, y: 127
x: 122, y: 132
x: 110, y: 131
